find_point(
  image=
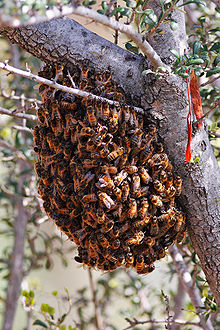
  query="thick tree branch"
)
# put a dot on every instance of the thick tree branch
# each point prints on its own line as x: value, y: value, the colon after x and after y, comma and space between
x: 165, y: 103
x: 146, y: 48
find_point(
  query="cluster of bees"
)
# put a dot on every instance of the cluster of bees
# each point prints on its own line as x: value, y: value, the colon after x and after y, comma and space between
x: 104, y: 177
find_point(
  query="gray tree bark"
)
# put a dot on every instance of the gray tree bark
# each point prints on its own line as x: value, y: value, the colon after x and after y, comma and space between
x: 165, y: 103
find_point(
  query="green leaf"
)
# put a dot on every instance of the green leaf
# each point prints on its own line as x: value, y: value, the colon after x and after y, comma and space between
x: 200, y: 2
x: 54, y: 293
x: 41, y: 323
x: 196, y: 46
x: 199, y: 278
x: 175, y: 53
x: 212, y: 71
x: 173, y: 25
x: 145, y: 72
x: 196, y: 61
x: 218, y: 199
x: 131, y: 3
x: 215, y: 47
x: 216, y: 61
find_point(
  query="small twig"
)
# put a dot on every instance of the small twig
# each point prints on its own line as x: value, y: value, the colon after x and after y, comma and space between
x: 74, y: 91
x: 166, y: 13
x: 18, y: 115
x: 21, y: 128
x: 12, y: 96
x: 94, y: 299
x: 153, y: 57
x: 169, y: 317
x: 135, y: 322
x: 187, y: 282
x: 210, y: 81
x: 207, y: 113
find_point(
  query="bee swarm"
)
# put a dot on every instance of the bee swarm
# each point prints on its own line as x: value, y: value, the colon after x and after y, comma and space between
x: 104, y: 178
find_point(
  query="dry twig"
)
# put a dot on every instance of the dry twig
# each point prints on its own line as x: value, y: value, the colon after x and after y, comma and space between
x: 53, y: 84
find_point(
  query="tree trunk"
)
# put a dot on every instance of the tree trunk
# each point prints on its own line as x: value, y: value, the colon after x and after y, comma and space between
x: 165, y: 103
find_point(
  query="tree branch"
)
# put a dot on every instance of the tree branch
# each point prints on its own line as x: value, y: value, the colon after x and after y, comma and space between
x: 187, y: 282
x: 128, y: 30
x: 16, y: 269
x: 74, y: 91
x: 18, y: 115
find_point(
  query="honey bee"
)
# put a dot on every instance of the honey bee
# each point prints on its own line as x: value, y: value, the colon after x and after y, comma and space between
x: 106, y: 182
x: 114, y: 154
x: 144, y: 208
x: 169, y: 181
x: 131, y: 169
x: 108, y: 255
x: 67, y: 106
x: 180, y: 236
x: 129, y: 258
x: 145, y: 177
x: 87, y: 179
x: 136, y: 182
x: 88, y: 163
x: 146, y: 154
x: 118, y: 193
x: 136, y: 138
x: 107, y: 226
x: 114, y: 232
x: 115, y: 244
x: 178, y: 185
x: 70, y: 121
x: 163, y: 176
x: 109, y: 169
x: 90, y: 198
x: 91, y: 116
x: 106, y: 200
x: 139, y: 262
x: 158, y: 187
x: 154, y: 228
x: 146, y: 269
x: 125, y: 190
x: 100, y: 216
x: 84, y: 72
x: 180, y: 222
x: 102, y: 240
x: 123, y: 160
x: 127, y: 144
x: 156, y: 200
x: 120, y: 260
x: 59, y: 73
x: 38, y: 168
x: 74, y: 214
x: 105, y: 111
x: 37, y: 136
x: 107, y: 138
x: 61, y: 186
x: 135, y: 239
x: 86, y: 131
x: 114, y: 119
x: 120, y: 178
x: 132, y: 209
x: 170, y: 192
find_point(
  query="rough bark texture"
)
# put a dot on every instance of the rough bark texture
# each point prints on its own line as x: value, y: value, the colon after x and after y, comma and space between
x: 165, y: 102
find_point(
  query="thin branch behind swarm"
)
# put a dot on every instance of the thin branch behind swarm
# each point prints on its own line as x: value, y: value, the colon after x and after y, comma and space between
x: 74, y: 91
